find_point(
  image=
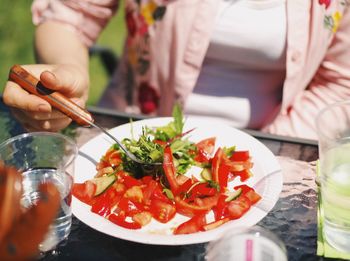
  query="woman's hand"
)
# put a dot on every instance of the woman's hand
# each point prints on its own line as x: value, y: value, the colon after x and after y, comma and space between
x: 36, y: 114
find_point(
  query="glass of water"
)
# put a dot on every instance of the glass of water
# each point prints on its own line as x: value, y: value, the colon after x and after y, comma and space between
x: 333, y: 126
x: 44, y: 157
x: 242, y: 244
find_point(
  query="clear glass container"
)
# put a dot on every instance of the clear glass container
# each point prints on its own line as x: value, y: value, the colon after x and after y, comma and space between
x: 248, y: 244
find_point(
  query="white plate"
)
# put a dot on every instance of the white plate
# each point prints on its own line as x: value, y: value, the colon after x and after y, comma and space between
x: 267, y: 181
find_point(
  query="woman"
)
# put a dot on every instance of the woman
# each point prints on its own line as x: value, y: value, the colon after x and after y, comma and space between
x: 262, y: 64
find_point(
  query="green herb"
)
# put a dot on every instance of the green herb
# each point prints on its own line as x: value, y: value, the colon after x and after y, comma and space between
x: 172, y: 129
x: 168, y: 193
x: 149, y: 151
x: 214, y: 184
x: 178, y: 119
x: 229, y: 151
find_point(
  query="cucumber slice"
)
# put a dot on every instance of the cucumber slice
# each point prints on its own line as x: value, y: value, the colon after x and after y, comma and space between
x: 233, y: 195
x: 102, y: 183
x: 206, y: 174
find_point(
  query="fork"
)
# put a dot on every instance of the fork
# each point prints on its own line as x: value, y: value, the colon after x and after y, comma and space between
x: 81, y: 116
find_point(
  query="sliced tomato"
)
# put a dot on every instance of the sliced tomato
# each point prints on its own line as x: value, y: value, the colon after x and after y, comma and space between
x: 189, y: 209
x: 158, y: 194
x: 143, y: 218
x: 120, y: 221
x: 238, y: 207
x: 101, y: 206
x: 134, y: 194
x: 103, y: 203
x: 84, y: 191
x: 238, y: 165
x: 193, y: 225
x: 115, y: 158
x: 181, y: 179
x: 106, y: 170
x: 242, y: 155
x: 120, y: 188
x: 224, y: 172
x: 129, y: 207
x: 112, y: 158
x: 130, y: 181
x: 245, y: 188
x: 220, y: 208
x: 162, y: 211
x: 220, y: 169
x: 148, y: 190
x: 208, y: 202
x: 107, y: 155
x: 113, y: 194
x: 243, y: 174
x: 169, y: 169
x: 147, y: 179
x: 207, y: 145
x: 202, y: 190
x: 152, y: 190
x: 253, y: 196
x: 205, y: 148
x: 183, y: 188
x: 101, y: 165
x: 215, y: 224
x: 216, y: 162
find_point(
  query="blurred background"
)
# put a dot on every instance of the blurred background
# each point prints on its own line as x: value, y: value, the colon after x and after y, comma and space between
x: 16, y: 43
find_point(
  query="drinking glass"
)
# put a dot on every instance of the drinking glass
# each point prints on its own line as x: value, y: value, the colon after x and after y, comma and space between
x: 242, y: 244
x: 44, y: 157
x: 333, y: 127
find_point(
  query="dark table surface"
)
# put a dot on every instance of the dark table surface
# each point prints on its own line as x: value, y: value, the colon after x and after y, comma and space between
x: 293, y: 218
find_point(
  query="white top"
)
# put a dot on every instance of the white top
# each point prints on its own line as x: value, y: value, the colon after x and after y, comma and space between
x: 244, y: 69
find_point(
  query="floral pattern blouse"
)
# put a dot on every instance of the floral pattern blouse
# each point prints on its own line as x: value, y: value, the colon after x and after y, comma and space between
x: 141, y: 17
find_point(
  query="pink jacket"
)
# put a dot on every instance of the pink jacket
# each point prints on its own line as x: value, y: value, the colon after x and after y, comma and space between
x: 318, y: 52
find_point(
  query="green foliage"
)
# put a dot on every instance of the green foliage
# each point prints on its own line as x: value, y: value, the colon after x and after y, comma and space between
x: 16, y: 34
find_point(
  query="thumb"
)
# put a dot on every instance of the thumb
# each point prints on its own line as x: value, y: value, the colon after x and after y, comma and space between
x: 66, y: 79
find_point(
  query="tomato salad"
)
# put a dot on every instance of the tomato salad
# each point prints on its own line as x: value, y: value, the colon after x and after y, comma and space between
x: 131, y: 197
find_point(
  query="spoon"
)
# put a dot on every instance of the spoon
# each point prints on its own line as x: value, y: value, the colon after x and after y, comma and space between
x: 81, y: 116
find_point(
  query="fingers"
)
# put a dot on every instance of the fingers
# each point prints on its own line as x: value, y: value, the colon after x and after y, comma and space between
x: 37, y: 114
x: 16, y: 97
x: 67, y: 79
x: 34, y: 222
x: 53, y: 122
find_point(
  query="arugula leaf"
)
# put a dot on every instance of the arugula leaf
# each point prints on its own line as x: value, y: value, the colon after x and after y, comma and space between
x: 229, y: 151
x: 147, y: 150
x: 178, y: 119
x: 166, y: 132
x: 172, y: 129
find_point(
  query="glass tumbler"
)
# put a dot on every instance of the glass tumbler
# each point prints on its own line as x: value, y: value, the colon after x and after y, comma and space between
x: 333, y: 127
x: 44, y: 157
x: 247, y: 244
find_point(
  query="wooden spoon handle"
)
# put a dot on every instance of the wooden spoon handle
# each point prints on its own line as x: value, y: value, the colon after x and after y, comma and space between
x: 31, y: 84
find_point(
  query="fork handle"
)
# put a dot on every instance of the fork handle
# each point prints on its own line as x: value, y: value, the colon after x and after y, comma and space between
x: 31, y: 84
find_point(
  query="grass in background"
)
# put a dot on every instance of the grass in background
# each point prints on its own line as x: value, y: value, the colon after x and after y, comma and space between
x: 16, y: 43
